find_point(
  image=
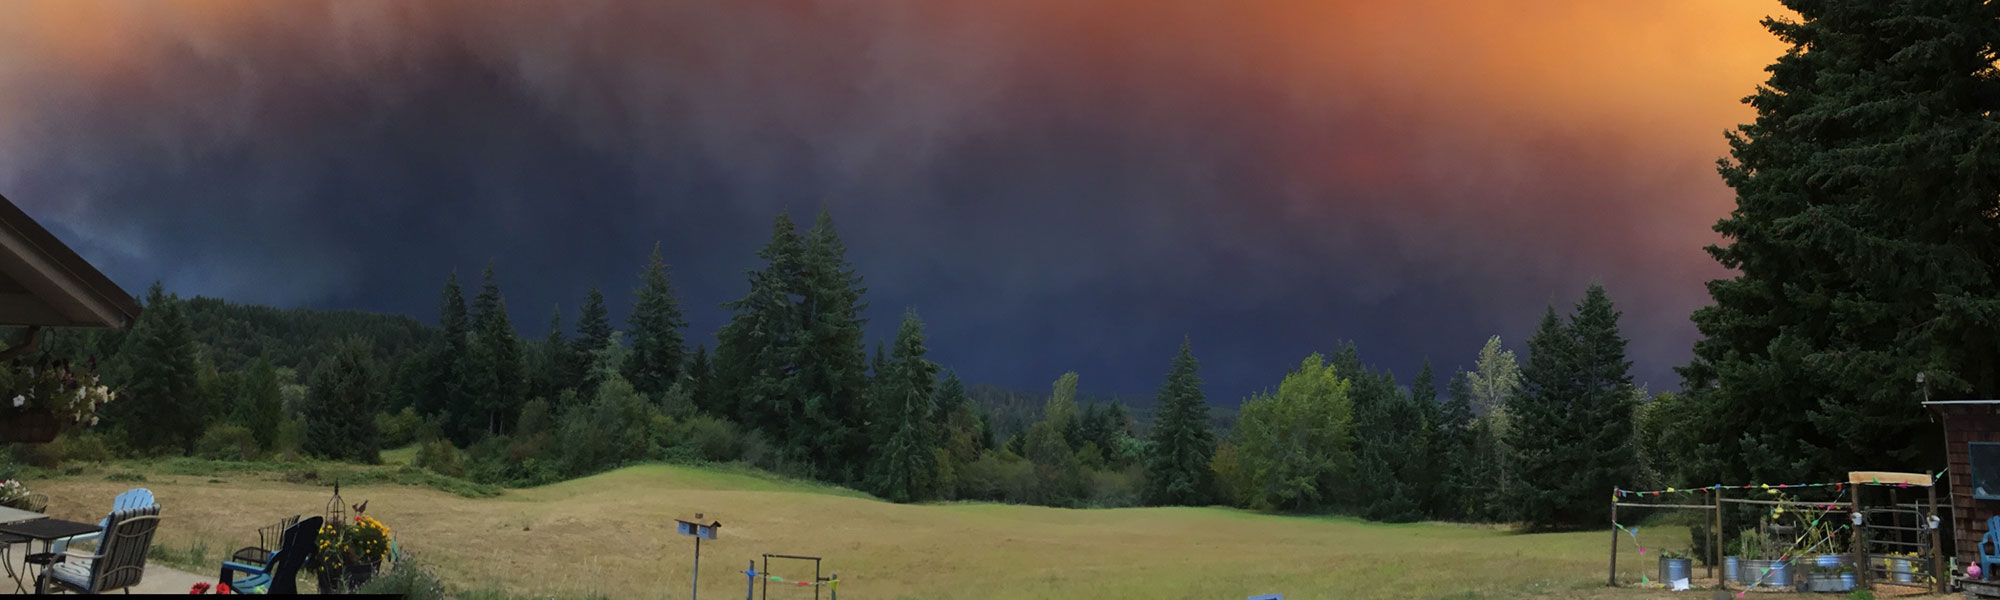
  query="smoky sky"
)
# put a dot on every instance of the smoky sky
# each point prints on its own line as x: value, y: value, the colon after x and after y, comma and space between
x: 1051, y: 185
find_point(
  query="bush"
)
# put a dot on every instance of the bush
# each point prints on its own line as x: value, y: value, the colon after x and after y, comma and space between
x: 440, y: 457
x: 997, y: 476
x: 713, y: 439
x: 399, y: 429
x: 291, y: 435
x: 611, y: 430
x: 406, y: 578
x: 87, y: 446
x: 35, y: 455
x: 1115, y: 488
x: 227, y: 442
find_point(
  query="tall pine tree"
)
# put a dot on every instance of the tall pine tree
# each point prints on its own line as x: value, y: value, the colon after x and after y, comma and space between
x: 832, y: 358
x: 1603, y: 410
x: 1864, y: 241
x: 159, y: 366
x: 501, y: 375
x: 549, y: 371
x: 905, y: 460
x: 341, y: 403
x: 655, y: 361
x: 1177, y: 472
x: 446, y: 398
x: 754, y: 378
x: 1572, y: 416
x: 260, y: 403
x: 700, y: 377
x: 593, y: 331
x: 1454, y: 450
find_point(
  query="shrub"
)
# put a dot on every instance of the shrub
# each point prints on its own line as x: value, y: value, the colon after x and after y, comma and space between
x: 227, y: 442
x: 406, y: 578
x: 440, y: 457
x: 611, y: 430
x: 88, y: 446
x: 1114, y: 488
x: 999, y: 476
x: 291, y: 435
x: 713, y: 439
x: 36, y: 455
x: 399, y: 429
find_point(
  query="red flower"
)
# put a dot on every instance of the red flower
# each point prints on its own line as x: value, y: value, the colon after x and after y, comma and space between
x: 223, y: 588
x: 199, y: 588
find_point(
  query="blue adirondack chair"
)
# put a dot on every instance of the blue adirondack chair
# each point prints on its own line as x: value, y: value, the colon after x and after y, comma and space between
x: 1989, y: 548
x: 132, y: 499
x: 280, y: 575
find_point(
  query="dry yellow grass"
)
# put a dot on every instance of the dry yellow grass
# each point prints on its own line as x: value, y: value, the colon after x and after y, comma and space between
x: 612, y: 535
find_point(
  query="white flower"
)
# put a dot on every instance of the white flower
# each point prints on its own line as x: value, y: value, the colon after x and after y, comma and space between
x: 20, y: 400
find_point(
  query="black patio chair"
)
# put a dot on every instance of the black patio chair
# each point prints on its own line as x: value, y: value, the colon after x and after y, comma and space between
x: 268, y: 539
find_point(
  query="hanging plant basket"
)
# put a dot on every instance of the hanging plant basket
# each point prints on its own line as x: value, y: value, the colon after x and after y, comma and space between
x: 29, y: 427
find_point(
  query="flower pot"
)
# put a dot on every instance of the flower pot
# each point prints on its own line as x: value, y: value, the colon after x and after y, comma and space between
x: 346, y: 578
x: 1732, y: 569
x: 1675, y: 569
x: 29, y: 427
x: 1766, y: 573
x: 1902, y: 570
x: 1829, y: 582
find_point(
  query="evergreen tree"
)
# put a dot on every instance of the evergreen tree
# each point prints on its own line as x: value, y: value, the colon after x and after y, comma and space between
x: 1864, y: 244
x: 699, y: 376
x: 593, y: 331
x: 754, y: 376
x: 1454, y: 450
x: 1601, y: 415
x: 961, y: 436
x: 832, y: 357
x: 160, y: 376
x: 1177, y: 472
x: 501, y: 376
x: 655, y: 361
x: 905, y: 461
x: 260, y: 403
x: 341, y: 404
x: 551, y: 362
x: 1543, y: 440
x: 1387, y: 446
x: 1424, y: 467
x: 447, y: 393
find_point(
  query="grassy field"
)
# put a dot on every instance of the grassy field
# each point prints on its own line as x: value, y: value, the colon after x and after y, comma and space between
x: 612, y: 535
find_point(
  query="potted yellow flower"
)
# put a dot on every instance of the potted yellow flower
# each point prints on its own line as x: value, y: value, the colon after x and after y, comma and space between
x: 349, y: 555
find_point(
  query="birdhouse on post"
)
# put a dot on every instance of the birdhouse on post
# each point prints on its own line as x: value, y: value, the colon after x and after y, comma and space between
x: 697, y: 528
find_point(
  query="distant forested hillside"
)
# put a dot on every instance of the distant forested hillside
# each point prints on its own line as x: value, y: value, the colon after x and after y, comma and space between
x: 236, y: 334
x: 1011, y: 410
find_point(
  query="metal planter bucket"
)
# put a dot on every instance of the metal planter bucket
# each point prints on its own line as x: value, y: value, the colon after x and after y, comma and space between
x: 1901, y: 569
x: 1673, y: 569
x: 1732, y: 569
x: 1829, y: 582
x: 1765, y: 573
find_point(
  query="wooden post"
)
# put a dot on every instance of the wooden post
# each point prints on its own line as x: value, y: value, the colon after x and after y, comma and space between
x: 1716, y: 545
x: 1612, y: 579
x: 1861, y: 567
x: 1937, y: 553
